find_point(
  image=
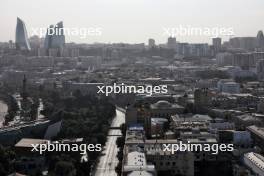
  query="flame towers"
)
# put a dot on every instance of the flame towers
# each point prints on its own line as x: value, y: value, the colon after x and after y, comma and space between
x: 55, y: 37
x: 260, y: 39
x: 22, y: 42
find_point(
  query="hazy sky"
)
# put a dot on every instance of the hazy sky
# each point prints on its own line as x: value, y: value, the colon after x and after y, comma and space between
x: 134, y: 21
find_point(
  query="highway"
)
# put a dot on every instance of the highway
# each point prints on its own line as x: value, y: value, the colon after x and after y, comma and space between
x: 108, y: 161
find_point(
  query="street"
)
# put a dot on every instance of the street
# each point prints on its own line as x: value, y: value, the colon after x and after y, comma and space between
x: 108, y: 161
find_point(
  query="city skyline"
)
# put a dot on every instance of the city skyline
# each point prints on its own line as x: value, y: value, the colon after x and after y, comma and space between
x: 132, y: 88
x: 136, y: 21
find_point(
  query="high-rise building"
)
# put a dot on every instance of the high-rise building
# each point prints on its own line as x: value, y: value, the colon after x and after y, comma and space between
x: 217, y: 42
x: 183, y: 49
x: 247, y: 43
x: 22, y: 42
x: 199, y: 49
x: 58, y: 39
x: 34, y: 41
x: 172, y: 43
x: 260, y: 39
x: 55, y: 40
x: 244, y: 60
x: 224, y: 59
x: 48, y: 38
x: 55, y: 37
x: 151, y: 43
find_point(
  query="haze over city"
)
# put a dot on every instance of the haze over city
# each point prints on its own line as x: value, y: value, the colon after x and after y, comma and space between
x: 132, y: 88
x: 134, y: 21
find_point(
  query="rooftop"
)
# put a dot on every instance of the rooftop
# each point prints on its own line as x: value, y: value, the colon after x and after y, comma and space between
x: 257, y: 159
x: 141, y: 173
x: 257, y: 130
x: 163, y: 104
x: 27, y: 142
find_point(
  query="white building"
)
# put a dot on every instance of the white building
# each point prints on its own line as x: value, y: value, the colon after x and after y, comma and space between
x: 135, y: 162
x: 255, y: 162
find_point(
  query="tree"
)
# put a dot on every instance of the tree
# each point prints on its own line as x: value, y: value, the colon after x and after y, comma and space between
x: 65, y: 168
x: 7, y: 157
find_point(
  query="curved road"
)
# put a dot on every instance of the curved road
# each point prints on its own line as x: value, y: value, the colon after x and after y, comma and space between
x: 108, y: 161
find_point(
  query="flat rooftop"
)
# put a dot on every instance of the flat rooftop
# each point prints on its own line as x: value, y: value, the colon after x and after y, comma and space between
x: 27, y: 142
x: 256, y: 130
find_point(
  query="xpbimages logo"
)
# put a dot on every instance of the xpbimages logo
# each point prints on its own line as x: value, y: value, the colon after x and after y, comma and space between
x: 188, y: 30
x: 82, y: 32
x: 126, y: 89
x: 194, y: 147
x: 61, y: 147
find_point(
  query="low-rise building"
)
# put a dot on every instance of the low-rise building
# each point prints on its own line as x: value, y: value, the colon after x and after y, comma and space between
x: 257, y: 134
x: 28, y: 161
x: 255, y: 162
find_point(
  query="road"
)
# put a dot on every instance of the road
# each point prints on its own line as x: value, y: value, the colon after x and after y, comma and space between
x: 3, y: 112
x: 108, y: 161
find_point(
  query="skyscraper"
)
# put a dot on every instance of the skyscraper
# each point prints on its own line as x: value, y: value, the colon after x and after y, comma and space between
x: 22, y: 42
x: 151, y: 43
x: 260, y: 39
x: 55, y: 37
x: 58, y: 39
x: 217, y: 42
x: 172, y: 43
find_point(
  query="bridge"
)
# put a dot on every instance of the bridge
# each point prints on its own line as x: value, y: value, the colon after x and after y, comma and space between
x: 114, y: 135
x: 114, y: 128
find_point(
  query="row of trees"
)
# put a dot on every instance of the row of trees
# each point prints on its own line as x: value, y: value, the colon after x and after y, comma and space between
x: 12, y: 108
x: 83, y: 116
x: 7, y: 158
x: 120, y: 142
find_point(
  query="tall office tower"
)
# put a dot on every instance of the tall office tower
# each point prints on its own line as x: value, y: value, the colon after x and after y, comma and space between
x: 47, y: 41
x: 55, y: 40
x: 244, y: 60
x: 172, y: 43
x: 22, y: 42
x: 199, y: 49
x: 58, y: 39
x: 217, y: 42
x: 151, y: 43
x: 260, y: 39
x: 183, y: 49
x: 247, y: 43
x: 55, y: 37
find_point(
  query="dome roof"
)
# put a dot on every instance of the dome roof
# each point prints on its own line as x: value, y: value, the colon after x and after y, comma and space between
x: 163, y: 104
